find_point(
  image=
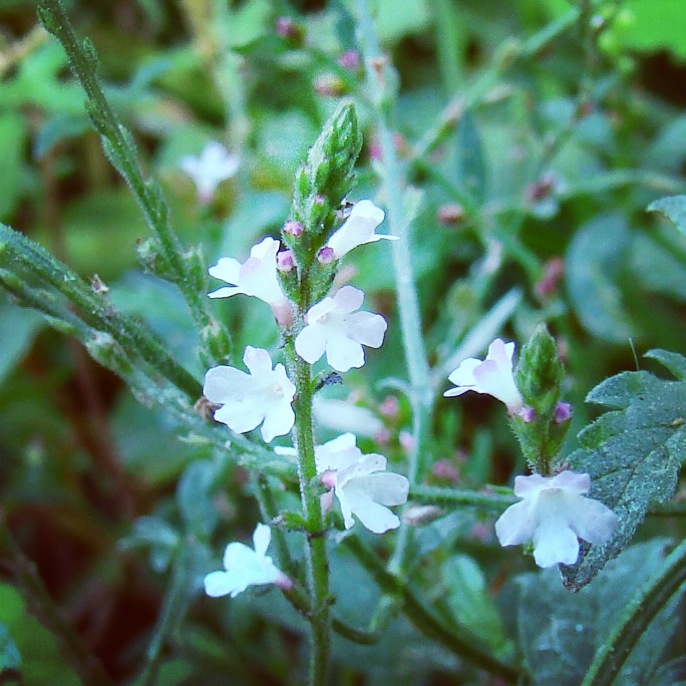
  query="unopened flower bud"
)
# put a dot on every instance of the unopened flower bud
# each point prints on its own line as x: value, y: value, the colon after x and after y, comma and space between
x: 289, y: 29
x: 293, y: 228
x: 451, y: 214
x: 390, y: 407
x: 528, y: 414
x: 350, y: 60
x: 563, y: 413
x: 329, y: 85
x: 284, y: 261
x: 326, y: 255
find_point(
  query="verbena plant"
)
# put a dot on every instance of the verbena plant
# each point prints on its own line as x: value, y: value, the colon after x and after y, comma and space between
x: 391, y: 559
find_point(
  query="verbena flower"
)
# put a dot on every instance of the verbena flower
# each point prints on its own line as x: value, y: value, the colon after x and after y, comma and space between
x: 554, y: 513
x: 493, y: 376
x: 263, y: 396
x: 358, y: 228
x: 334, y: 327
x: 214, y: 165
x: 256, y: 276
x: 360, y: 484
x: 244, y: 566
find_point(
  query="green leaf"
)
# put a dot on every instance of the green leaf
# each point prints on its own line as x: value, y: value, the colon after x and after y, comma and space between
x: 18, y: 326
x: 560, y: 632
x: 592, y: 267
x: 674, y: 208
x: 632, y: 453
x: 472, y: 605
x: 195, y: 498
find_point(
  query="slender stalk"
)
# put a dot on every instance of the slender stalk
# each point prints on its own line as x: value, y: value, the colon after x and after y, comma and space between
x: 316, y: 553
x: 652, y: 597
x: 428, y: 622
x: 449, y: 497
x: 421, y: 393
x: 121, y: 150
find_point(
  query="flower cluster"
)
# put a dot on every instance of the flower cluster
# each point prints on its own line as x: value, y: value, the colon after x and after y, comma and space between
x: 333, y: 327
x: 554, y: 512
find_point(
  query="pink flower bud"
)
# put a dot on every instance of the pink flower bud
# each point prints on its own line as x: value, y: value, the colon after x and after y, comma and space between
x: 563, y: 413
x: 326, y: 255
x: 350, y: 60
x: 284, y: 261
x: 293, y: 228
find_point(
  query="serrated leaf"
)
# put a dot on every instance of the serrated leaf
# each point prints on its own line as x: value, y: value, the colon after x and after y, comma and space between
x: 560, y: 632
x: 633, y: 454
x: 674, y: 208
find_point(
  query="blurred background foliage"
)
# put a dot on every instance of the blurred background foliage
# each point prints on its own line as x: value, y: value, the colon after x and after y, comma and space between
x: 532, y: 166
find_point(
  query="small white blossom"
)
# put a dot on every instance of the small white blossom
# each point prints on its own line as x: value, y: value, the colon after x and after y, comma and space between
x: 343, y: 415
x: 493, y: 376
x: 360, y: 484
x: 554, y: 513
x: 214, y: 165
x: 358, y: 229
x: 263, y: 396
x: 334, y: 327
x: 246, y: 567
x: 257, y: 276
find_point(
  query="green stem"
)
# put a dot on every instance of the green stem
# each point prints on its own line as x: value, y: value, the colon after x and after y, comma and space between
x: 119, y: 145
x: 316, y: 553
x: 639, y: 613
x: 95, y: 309
x: 421, y: 393
x: 449, y: 497
x: 429, y: 623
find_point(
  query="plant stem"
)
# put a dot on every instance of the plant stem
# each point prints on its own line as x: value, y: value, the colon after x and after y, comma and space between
x: 421, y: 393
x: 449, y: 497
x: 639, y: 613
x: 429, y: 623
x: 119, y: 146
x: 316, y: 553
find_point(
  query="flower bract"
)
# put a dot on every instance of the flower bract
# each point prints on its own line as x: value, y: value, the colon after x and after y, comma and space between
x: 245, y: 566
x: 358, y: 229
x: 214, y: 165
x: 256, y: 276
x: 262, y: 396
x: 360, y: 483
x: 334, y: 327
x: 554, y: 513
x: 492, y: 376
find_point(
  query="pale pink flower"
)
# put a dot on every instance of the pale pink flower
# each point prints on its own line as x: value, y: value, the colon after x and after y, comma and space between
x: 244, y: 566
x: 358, y: 229
x: 214, y: 165
x: 493, y: 376
x: 360, y: 484
x: 554, y: 513
x: 262, y: 397
x: 257, y: 277
x: 334, y: 327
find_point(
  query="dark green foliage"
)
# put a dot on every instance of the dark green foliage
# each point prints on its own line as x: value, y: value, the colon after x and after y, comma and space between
x: 633, y: 453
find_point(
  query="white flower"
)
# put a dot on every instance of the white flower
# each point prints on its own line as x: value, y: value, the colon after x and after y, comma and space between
x: 246, y: 567
x: 264, y: 395
x: 492, y: 376
x: 256, y: 276
x: 360, y: 484
x: 208, y: 170
x: 343, y: 415
x: 358, y: 229
x: 334, y: 327
x: 554, y: 514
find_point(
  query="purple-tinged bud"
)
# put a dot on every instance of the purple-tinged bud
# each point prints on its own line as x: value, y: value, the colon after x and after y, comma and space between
x: 319, y: 200
x: 350, y: 60
x: 284, y: 261
x: 563, y: 413
x: 329, y: 85
x: 289, y: 29
x: 451, y: 214
x: 326, y: 255
x: 446, y: 470
x: 293, y: 228
x: 390, y: 407
x: 528, y: 414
